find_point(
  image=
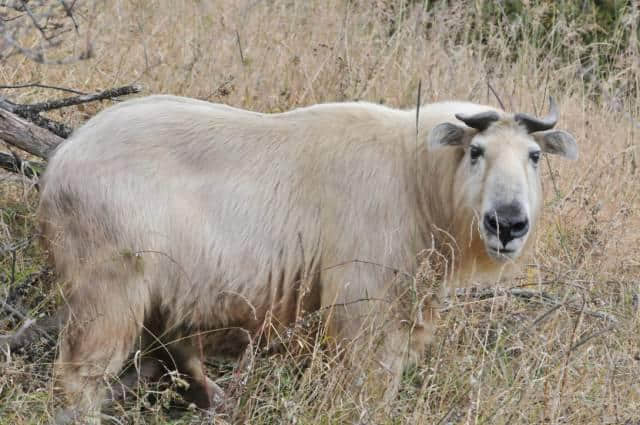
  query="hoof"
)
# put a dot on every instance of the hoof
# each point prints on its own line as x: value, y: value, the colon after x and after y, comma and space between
x: 149, y: 371
x: 216, y: 394
x: 71, y: 416
x: 207, y: 395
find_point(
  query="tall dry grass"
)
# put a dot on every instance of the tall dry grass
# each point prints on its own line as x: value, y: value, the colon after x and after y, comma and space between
x: 499, y: 360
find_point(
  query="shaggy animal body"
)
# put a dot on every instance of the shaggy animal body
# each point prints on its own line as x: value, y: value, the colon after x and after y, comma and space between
x: 169, y: 217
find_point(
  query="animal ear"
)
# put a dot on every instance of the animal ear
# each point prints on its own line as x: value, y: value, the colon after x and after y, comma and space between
x: 557, y: 142
x: 447, y: 134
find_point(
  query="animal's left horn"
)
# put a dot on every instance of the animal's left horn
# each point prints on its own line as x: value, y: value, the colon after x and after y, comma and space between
x: 479, y: 121
x: 533, y: 124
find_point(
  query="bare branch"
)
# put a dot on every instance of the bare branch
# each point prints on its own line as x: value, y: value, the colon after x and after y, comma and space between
x: 77, y: 100
x: 51, y: 20
x: 69, y: 13
x: 495, y: 93
x: 35, y: 21
x: 15, y: 5
x: 42, y: 86
x: 240, y: 47
x: 592, y: 335
x: 37, y: 55
x: 534, y: 296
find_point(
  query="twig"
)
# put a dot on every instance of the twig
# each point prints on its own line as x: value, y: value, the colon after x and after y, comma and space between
x: 44, y: 19
x: 454, y: 404
x: 13, y: 267
x: 567, y: 357
x: 553, y: 179
x: 69, y: 13
x: 16, y: 164
x: 495, y: 94
x: 416, y: 164
x: 38, y: 56
x: 13, y: 18
x: 7, y: 104
x: 35, y: 21
x: 15, y: 5
x: 15, y: 246
x: 240, y: 47
x: 9, y: 340
x: 371, y: 263
x: 28, y: 323
x: 42, y: 86
x: 589, y: 337
x: 545, y: 315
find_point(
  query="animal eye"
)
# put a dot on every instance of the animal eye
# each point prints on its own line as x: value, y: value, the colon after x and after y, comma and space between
x: 475, y: 152
x: 535, y: 156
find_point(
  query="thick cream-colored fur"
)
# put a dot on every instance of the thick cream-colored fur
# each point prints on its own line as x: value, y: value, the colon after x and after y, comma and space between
x: 170, y: 217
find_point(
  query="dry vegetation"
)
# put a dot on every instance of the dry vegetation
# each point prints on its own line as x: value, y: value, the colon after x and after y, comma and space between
x: 499, y: 359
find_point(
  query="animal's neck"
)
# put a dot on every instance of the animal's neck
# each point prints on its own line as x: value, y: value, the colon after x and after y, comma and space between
x: 433, y: 174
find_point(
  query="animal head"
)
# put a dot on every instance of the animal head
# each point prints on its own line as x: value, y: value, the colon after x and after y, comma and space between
x: 498, y: 175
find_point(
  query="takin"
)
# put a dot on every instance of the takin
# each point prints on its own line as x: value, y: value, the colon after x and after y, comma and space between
x: 196, y: 225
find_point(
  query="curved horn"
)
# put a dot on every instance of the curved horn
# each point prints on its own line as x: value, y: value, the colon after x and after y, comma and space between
x: 533, y: 124
x: 479, y: 121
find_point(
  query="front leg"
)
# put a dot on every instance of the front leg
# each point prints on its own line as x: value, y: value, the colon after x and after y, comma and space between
x: 382, y: 324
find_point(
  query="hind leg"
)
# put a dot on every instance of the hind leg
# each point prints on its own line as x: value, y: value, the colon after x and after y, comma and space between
x: 99, y: 335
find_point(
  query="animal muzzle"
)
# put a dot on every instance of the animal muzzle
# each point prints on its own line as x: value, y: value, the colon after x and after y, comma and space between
x: 506, y: 223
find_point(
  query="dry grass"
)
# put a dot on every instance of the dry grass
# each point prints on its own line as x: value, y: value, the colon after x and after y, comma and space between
x: 496, y: 360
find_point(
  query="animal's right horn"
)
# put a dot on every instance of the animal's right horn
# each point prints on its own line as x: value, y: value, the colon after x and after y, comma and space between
x: 480, y: 121
x: 533, y: 124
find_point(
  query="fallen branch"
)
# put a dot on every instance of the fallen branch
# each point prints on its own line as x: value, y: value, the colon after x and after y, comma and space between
x: 27, y: 136
x: 533, y: 296
x: 23, y: 127
x: 32, y: 112
x: 57, y: 128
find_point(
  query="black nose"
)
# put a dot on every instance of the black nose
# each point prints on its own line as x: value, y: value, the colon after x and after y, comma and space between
x: 507, y: 223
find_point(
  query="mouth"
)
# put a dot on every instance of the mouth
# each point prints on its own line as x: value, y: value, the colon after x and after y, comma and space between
x: 502, y: 251
x: 501, y: 254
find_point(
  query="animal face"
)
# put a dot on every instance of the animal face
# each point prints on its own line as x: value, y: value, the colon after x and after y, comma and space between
x: 498, y: 178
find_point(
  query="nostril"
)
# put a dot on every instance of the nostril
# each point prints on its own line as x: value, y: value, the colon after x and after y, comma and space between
x: 520, y: 228
x: 491, y: 223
